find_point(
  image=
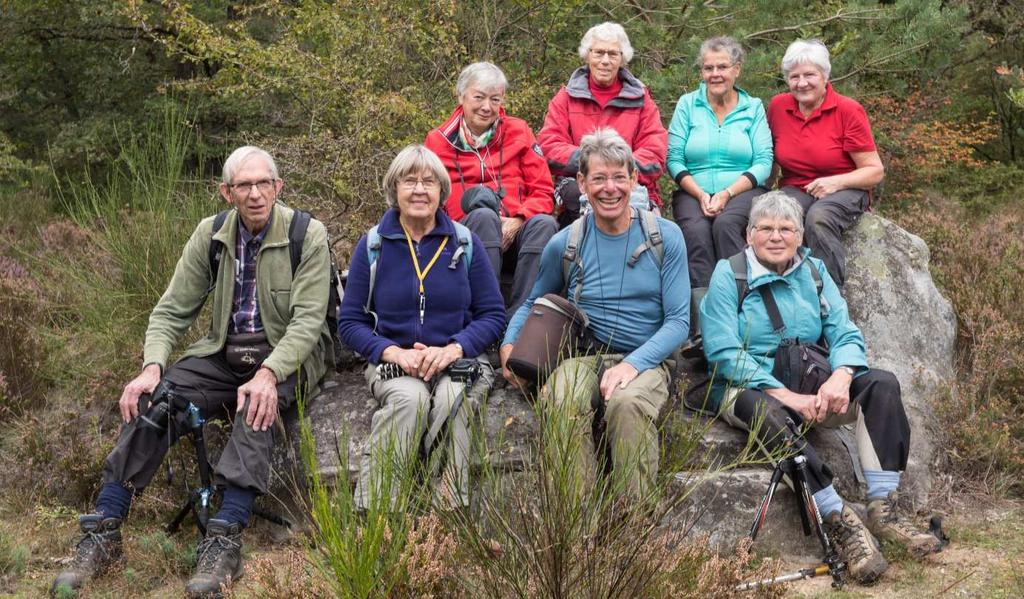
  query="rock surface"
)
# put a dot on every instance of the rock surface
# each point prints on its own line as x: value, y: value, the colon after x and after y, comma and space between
x: 909, y: 328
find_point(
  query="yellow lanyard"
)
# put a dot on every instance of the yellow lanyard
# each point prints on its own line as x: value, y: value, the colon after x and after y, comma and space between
x: 422, y: 274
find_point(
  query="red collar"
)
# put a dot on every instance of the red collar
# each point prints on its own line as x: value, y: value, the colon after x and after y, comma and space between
x: 830, y: 103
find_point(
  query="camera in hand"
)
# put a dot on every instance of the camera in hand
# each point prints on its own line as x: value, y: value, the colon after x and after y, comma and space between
x: 154, y: 408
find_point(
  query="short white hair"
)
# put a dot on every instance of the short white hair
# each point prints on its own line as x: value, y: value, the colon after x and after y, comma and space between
x: 413, y: 160
x: 484, y: 75
x: 240, y: 156
x: 607, y: 32
x: 776, y: 205
x: 807, y: 52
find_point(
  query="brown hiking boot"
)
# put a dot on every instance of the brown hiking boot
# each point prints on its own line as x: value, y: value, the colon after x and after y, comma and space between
x: 98, y: 548
x: 218, y: 560
x: 887, y: 525
x: 856, y: 546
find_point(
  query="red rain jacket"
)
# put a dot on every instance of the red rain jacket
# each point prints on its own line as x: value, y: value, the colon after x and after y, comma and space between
x: 512, y: 161
x: 574, y: 112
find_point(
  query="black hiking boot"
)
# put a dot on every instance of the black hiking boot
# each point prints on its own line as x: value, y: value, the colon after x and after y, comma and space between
x: 857, y: 547
x: 99, y: 548
x: 218, y: 560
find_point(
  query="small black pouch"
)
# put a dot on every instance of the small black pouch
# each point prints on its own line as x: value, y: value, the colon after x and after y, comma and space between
x: 480, y: 196
x: 244, y: 352
x: 801, y: 367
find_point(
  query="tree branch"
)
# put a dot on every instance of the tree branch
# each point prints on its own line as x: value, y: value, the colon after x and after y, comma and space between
x: 852, y: 15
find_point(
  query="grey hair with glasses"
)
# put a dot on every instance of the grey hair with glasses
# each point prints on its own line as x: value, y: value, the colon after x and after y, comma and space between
x: 413, y: 160
x: 721, y: 44
x: 606, y: 32
x: 811, y: 52
x: 240, y: 156
x: 606, y: 144
x: 486, y: 76
x: 776, y: 205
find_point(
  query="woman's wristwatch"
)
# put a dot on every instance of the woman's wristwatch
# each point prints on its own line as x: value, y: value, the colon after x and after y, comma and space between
x: 850, y: 370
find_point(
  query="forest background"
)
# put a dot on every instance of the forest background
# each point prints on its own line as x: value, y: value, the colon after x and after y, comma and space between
x: 115, y: 117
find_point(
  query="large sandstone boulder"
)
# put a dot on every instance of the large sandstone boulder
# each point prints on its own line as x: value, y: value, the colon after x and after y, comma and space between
x: 909, y: 329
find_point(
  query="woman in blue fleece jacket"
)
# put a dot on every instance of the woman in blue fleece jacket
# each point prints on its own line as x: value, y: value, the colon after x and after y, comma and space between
x: 427, y: 312
x: 720, y: 155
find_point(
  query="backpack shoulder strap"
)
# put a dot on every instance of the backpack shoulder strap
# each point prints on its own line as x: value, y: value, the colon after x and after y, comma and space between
x: 573, y: 255
x: 297, y: 236
x: 372, y: 253
x: 738, y: 262
x: 216, y: 247
x: 818, y: 287
x: 465, y: 250
x: 652, y: 238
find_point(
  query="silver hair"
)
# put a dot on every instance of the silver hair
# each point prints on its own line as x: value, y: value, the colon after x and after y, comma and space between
x: 811, y: 52
x: 606, y: 32
x: 485, y: 76
x: 608, y: 145
x: 240, y: 156
x: 776, y: 205
x: 412, y: 160
x: 721, y: 44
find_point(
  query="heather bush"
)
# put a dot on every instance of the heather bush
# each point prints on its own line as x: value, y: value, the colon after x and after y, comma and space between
x: 21, y: 346
x: 978, y: 263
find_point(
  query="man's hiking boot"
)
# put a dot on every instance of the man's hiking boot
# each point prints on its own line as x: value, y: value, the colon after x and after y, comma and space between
x: 99, y: 547
x: 887, y: 525
x: 218, y: 560
x: 856, y: 546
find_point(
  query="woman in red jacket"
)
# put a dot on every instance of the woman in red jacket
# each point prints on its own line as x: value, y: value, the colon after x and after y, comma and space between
x: 501, y: 185
x: 603, y: 93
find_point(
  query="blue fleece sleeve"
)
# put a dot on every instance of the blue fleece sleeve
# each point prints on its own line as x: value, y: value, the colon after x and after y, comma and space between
x: 726, y: 351
x: 845, y: 341
x: 355, y: 327
x: 761, y: 143
x: 487, y: 308
x: 675, y: 302
x: 549, y: 280
x: 678, y: 132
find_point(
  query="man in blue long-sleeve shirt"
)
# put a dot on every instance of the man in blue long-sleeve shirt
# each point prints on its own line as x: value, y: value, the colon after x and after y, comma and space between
x: 640, y: 313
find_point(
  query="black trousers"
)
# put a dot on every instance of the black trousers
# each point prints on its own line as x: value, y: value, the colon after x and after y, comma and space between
x: 883, y: 431
x: 211, y: 386
x: 710, y: 239
x: 825, y: 220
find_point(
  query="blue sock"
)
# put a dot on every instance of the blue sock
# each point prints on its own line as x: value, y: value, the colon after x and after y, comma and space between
x: 828, y: 501
x: 881, y: 483
x: 114, y: 500
x: 237, y: 505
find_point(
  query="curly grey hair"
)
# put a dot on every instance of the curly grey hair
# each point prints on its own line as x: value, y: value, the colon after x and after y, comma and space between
x: 811, y: 52
x: 721, y: 43
x: 606, y: 32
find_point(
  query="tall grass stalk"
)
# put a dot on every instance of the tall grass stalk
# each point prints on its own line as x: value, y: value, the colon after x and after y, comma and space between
x: 137, y: 222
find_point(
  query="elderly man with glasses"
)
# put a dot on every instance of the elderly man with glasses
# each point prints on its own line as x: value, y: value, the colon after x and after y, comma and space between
x: 267, y: 342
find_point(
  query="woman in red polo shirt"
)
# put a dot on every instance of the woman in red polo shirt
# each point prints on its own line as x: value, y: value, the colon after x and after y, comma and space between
x: 824, y: 147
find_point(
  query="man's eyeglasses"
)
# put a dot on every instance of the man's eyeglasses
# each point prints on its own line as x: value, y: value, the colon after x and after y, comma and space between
x: 244, y: 187
x: 785, y: 232
x: 611, y: 54
x: 411, y: 182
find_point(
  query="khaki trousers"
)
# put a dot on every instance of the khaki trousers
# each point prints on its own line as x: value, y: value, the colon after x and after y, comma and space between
x: 407, y: 407
x: 630, y: 414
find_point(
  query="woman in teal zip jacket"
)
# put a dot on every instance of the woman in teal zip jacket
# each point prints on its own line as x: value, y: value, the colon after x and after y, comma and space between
x: 720, y: 155
x: 740, y: 343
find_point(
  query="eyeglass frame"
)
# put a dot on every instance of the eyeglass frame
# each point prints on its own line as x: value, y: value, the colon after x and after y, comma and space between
x: 246, y: 186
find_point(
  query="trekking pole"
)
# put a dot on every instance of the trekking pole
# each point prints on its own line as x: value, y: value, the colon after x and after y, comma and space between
x: 791, y: 577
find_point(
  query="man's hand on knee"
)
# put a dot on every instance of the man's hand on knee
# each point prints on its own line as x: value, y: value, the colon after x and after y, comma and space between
x: 147, y: 380
x: 262, y: 394
x: 617, y: 377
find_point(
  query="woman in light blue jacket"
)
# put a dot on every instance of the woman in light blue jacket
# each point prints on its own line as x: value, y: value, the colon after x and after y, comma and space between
x: 740, y: 342
x: 720, y: 155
